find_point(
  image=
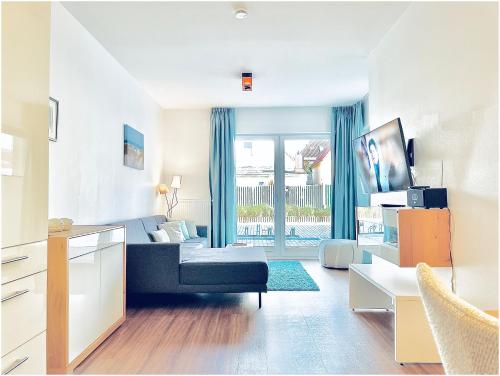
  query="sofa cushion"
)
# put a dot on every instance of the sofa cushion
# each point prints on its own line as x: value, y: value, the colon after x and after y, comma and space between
x: 220, y: 266
x: 174, y: 231
x: 184, y: 230
x: 160, y: 236
x: 150, y: 224
x: 160, y: 218
x: 136, y: 234
x: 202, y: 241
x: 185, y: 245
x: 191, y: 227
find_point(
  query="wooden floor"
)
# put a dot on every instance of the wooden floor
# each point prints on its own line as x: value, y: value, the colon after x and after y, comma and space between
x: 293, y: 333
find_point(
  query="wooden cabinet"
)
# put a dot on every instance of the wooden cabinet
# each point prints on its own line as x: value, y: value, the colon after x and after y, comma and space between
x: 24, y: 143
x: 86, y: 296
x: 405, y: 236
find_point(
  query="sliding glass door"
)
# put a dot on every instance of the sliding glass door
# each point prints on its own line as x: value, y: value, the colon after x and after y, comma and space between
x: 307, y: 193
x: 284, y: 193
x: 255, y: 177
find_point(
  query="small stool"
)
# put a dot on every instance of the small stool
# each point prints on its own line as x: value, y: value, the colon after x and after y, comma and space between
x: 336, y: 253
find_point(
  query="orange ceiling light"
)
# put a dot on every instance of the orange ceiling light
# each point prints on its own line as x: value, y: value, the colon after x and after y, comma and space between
x: 246, y: 81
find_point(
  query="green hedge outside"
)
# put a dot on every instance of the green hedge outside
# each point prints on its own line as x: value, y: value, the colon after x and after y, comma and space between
x: 249, y: 211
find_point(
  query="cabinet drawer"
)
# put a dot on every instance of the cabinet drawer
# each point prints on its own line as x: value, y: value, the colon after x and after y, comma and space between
x: 27, y: 359
x: 24, y: 312
x: 23, y: 260
x: 81, y: 245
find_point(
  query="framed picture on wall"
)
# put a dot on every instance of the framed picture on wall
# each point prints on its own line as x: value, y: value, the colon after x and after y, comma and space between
x: 53, y: 118
x: 133, y: 148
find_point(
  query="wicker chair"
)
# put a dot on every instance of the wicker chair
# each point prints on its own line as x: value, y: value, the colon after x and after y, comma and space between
x: 466, y: 337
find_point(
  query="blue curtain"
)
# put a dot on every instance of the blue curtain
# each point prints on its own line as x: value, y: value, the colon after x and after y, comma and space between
x: 222, y: 176
x: 347, y: 124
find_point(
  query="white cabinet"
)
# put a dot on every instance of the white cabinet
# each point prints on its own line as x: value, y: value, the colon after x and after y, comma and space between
x: 24, y: 143
x: 25, y: 114
x: 28, y: 358
x: 24, y: 310
x: 23, y: 260
x: 84, y: 302
x: 112, y: 286
x: 86, y: 295
x: 383, y: 285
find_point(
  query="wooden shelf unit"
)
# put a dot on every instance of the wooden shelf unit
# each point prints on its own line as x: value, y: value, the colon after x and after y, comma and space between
x: 405, y: 236
x: 86, y: 292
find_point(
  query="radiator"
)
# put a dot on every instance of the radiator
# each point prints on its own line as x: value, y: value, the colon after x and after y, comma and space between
x: 193, y: 210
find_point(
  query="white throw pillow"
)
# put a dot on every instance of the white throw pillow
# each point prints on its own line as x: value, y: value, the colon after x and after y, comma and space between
x: 174, y: 231
x: 160, y: 236
x: 191, y: 227
x: 184, y: 229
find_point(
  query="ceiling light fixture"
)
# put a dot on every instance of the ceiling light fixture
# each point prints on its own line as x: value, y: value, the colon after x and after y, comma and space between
x: 241, y: 14
x: 246, y: 81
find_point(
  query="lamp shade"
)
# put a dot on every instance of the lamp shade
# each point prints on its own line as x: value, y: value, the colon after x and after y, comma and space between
x: 176, y: 182
x: 162, y: 189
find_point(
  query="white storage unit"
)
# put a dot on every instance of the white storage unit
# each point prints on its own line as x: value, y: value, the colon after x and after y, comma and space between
x: 24, y: 309
x: 25, y: 113
x: 383, y: 285
x: 87, y: 292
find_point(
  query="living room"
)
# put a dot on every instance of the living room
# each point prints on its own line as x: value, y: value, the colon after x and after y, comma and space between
x: 232, y: 129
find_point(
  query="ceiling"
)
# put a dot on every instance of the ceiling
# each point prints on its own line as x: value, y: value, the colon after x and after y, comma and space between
x: 191, y: 54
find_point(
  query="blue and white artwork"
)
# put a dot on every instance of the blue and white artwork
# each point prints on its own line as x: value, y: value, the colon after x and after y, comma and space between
x: 133, y: 148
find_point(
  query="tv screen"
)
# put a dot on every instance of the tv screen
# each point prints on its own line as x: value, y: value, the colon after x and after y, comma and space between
x: 382, y: 160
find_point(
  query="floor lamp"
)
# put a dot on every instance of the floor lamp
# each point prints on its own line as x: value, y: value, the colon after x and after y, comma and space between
x: 164, y: 190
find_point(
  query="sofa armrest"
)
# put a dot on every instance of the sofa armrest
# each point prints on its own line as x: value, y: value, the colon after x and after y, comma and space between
x: 202, y: 231
x: 153, y: 267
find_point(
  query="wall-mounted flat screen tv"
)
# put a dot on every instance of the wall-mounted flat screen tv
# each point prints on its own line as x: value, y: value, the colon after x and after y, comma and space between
x: 382, y: 159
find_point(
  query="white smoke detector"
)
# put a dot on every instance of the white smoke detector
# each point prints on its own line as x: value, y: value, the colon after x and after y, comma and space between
x: 241, y: 14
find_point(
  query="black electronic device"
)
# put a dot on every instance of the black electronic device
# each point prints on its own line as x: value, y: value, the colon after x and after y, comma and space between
x: 426, y: 197
x: 410, y: 150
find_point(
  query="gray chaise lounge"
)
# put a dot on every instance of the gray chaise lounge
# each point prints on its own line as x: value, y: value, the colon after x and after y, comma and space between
x: 174, y: 268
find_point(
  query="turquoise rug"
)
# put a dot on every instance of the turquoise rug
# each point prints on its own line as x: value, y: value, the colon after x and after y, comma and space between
x: 289, y: 276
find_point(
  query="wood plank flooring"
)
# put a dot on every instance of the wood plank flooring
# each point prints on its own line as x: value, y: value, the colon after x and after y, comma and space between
x: 293, y: 333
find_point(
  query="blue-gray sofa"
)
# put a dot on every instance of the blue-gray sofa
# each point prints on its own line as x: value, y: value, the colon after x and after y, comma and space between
x: 176, y: 268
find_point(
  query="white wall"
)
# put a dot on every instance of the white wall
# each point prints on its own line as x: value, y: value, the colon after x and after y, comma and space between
x: 186, y: 143
x: 187, y: 139
x: 268, y: 120
x: 87, y: 180
x: 437, y: 70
